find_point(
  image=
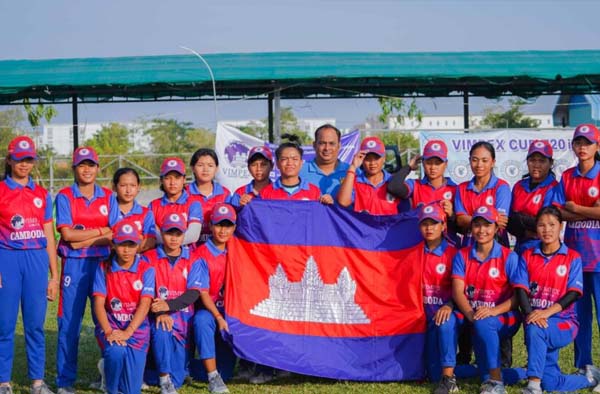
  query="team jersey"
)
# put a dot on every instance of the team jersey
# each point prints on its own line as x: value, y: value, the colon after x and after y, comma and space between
x: 422, y: 192
x: 529, y: 201
x: 123, y: 290
x: 437, y: 276
x: 75, y: 211
x: 187, y: 207
x: 495, y: 194
x: 548, y: 279
x: 25, y: 210
x: 213, y: 260
x: 240, y: 191
x: 172, y: 280
x: 327, y: 184
x: 374, y: 199
x: 140, y: 216
x: 304, y: 191
x: 582, y: 235
x: 220, y: 194
x: 489, y: 282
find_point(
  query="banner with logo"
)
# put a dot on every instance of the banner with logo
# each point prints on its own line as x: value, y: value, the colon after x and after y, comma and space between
x: 320, y: 290
x: 511, y: 151
x: 232, y: 146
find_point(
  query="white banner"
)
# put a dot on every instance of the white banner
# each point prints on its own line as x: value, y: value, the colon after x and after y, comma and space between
x: 511, y: 151
x: 232, y: 146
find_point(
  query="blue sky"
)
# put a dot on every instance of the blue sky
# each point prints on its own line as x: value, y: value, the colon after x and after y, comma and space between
x: 51, y: 29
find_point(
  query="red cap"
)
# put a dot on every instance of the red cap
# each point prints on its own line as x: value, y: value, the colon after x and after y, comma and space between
x: 490, y: 214
x: 432, y: 211
x: 173, y: 220
x: 373, y: 145
x: 223, y: 212
x: 587, y: 131
x: 126, y: 232
x: 172, y: 164
x: 264, y: 151
x: 542, y: 147
x: 85, y: 153
x: 22, y: 147
x: 436, y: 148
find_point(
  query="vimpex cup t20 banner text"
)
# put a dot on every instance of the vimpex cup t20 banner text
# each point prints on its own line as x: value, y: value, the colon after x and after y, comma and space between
x: 323, y: 291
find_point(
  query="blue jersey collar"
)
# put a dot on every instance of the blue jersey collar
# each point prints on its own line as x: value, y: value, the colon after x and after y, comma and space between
x: 538, y: 250
x: 304, y: 185
x: 362, y: 178
x: 160, y: 251
x: 495, y: 253
x: 439, y: 250
x: 491, y: 184
x: 181, y: 200
x: 12, y: 184
x: 212, y: 248
x: 98, y: 191
x: 115, y: 267
x: 592, y: 173
x: 217, y: 190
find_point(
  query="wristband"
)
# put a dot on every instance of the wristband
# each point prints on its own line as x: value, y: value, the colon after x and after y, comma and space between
x: 99, y: 232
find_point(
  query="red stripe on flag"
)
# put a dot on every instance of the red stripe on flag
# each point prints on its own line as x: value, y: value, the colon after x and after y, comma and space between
x: 388, y: 287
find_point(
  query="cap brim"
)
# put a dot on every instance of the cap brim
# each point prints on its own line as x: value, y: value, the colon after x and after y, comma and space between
x: 585, y: 137
x: 76, y: 163
x: 118, y: 241
x: 259, y: 154
x: 167, y: 229
x: 222, y: 220
x: 436, y: 156
x: 429, y: 217
x: 484, y: 218
x: 24, y: 156
x: 167, y: 173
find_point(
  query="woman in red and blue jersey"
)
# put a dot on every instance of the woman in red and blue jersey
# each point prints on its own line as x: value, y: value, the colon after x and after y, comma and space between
x: 289, y: 185
x: 434, y: 187
x: 483, y: 279
x: 550, y: 281
x: 532, y: 193
x: 178, y: 285
x: 443, y: 323
x: 27, y: 252
x: 484, y: 189
x: 123, y: 292
x: 366, y: 189
x: 176, y: 199
x: 260, y: 165
x: 126, y: 185
x: 577, y: 195
x: 82, y: 212
x: 205, y: 164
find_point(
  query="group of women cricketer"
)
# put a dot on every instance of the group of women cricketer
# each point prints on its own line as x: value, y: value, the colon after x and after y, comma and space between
x: 155, y: 275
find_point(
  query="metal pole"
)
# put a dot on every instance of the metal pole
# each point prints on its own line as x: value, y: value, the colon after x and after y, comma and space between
x: 270, y: 104
x: 75, y: 123
x: 466, y: 110
x: 277, y: 116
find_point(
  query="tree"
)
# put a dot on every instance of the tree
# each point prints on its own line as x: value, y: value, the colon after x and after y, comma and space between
x: 397, y: 107
x: 112, y: 139
x: 289, y: 125
x: 36, y: 113
x: 9, y: 124
x: 513, y: 118
x: 172, y: 136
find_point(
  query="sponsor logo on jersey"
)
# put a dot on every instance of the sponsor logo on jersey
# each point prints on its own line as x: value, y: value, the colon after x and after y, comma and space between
x: 116, y: 305
x: 38, y: 202
x: 104, y: 210
x: 138, y: 285
x: 440, y: 268
x: 561, y: 270
x: 494, y: 272
x: 489, y: 200
x: 17, y: 222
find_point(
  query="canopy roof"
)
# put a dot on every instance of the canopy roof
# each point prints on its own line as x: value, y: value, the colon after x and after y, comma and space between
x: 301, y: 75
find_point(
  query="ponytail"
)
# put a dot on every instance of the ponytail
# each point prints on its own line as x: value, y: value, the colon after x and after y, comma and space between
x: 293, y: 141
x: 7, y: 168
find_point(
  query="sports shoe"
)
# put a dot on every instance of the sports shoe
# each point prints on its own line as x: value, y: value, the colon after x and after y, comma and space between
x: 490, y: 387
x: 447, y: 385
x: 261, y: 378
x: 6, y: 390
x: 100, y: 384
x: 592, y: 374
x: 41, y: 389
x: 216, y: 385
x: 530, y: 390
x: 66, y: 390
x: 168, y: 388
x: 145, y: 386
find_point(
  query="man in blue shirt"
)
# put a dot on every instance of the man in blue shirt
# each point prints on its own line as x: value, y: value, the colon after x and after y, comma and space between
x: 326, y: 171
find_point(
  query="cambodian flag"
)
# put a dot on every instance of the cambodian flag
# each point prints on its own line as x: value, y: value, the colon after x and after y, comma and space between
x: 323, y: 291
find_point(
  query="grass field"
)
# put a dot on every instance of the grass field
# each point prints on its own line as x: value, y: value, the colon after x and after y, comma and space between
x: 89, y: 354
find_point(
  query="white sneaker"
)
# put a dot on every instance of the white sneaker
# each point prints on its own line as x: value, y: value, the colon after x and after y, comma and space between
x: 261, y: 378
